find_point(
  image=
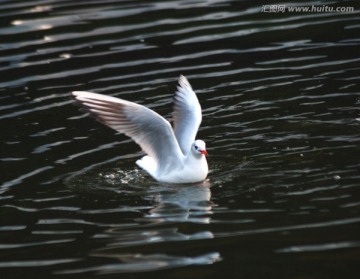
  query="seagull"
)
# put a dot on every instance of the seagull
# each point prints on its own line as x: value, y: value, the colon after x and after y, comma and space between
x: 173, y: 154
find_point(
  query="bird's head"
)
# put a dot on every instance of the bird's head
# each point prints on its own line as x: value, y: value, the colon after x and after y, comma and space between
x: 199, y: 147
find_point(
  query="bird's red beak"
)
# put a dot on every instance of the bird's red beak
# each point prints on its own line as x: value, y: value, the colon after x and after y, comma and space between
x: 204, y: 152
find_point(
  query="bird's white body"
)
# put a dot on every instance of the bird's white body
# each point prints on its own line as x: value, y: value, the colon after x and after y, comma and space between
x: 173, y: 155
x: 189, y: 171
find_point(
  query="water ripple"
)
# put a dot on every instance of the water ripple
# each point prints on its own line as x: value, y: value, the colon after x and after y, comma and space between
x: 36, y: 263
x: 144, y: 263
x: 280, y: 102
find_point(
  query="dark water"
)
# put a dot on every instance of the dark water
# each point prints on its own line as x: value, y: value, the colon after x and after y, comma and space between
x: 280, y: 97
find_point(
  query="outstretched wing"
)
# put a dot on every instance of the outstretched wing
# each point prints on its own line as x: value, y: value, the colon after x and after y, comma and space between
x: 147, y: 128
x: 187, y: 115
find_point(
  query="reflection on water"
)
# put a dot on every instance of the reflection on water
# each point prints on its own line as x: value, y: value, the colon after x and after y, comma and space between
x: 280, y: 98
x: 170, y: 204
x: 142, y: 263
x: 183, y: 204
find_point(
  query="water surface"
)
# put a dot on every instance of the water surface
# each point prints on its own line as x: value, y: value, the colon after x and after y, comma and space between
x: 280, y: 98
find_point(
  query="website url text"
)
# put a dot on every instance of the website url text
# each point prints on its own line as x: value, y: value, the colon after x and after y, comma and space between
x: 305, y: 9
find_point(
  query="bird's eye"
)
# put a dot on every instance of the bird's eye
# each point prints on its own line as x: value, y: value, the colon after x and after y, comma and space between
x: 196, y: 147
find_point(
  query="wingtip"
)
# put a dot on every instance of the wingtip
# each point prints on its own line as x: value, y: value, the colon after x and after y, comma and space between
x: 85, y: 95
x: 182, y: 77
x: 183, y: 81
x: 79, y: 93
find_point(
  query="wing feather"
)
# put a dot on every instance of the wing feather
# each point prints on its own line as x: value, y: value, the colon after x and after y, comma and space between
x: 187, y: 115
x: 147, y: 128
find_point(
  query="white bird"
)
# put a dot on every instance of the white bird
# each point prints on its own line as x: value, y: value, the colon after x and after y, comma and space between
x: 173, y: 155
